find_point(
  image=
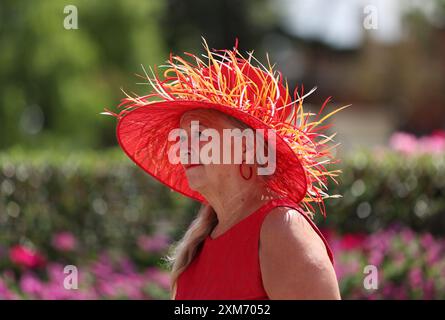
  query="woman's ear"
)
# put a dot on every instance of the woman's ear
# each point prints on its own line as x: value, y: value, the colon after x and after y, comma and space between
x: 243, y: 150
x: 249, y: 150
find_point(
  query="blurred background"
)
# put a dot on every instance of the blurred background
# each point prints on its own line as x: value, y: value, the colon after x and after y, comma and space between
x: 68, y: 195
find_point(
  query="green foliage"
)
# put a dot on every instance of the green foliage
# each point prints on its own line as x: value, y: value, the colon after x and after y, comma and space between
x: 382, y: 187
x: 68, y: 76
x: 404, y: 265
x: 102, y: 198
x: 108, y: 202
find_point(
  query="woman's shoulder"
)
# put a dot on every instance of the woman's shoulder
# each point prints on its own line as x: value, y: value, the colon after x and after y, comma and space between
x: 293, y: 257
x: 291, y: 229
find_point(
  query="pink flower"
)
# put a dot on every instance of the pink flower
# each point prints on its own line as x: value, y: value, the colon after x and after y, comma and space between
x: 25, y: 257
x: 400, y: 293
x: 5, y: 293
x: 407, y: 235
x: 106, y: 288
x: 428, y: 290
x: 403, y: 142
x: 64, y: 241
x: 55, y: 272
x: 408, y: 143
x: 427, y: 240
x: 435, y: 143
x: 376, y: 257
x: 399, y: 259
x: 388, y: 290
x: 127, y: 266
x: 434, y: 254
x: 352, y: 241
x: 31, y: 285
x: 416, y: 278
x: 159, y: 277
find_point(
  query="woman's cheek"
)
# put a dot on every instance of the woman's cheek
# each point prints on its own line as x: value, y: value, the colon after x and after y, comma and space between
x: 209, y: 149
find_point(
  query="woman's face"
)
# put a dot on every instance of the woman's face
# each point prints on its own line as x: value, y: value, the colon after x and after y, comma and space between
x: 207, y: 175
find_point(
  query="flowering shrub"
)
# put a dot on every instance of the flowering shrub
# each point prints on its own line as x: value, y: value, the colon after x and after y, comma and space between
x: 26, y: 257
x: 409, y: 144
x: 409, y: 265
x: 99, y: 280
x: 109, y: 276
x: 64, y: 241
x: 404, y: 183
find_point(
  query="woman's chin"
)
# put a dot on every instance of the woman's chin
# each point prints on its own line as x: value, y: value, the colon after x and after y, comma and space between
x: 195, y: 177
x: 196, y: 185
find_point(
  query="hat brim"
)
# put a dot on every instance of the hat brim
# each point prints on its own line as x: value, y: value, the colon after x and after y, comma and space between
x: 143, y: 133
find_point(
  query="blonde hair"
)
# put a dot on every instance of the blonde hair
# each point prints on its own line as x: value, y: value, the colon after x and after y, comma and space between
x: 186, y: 249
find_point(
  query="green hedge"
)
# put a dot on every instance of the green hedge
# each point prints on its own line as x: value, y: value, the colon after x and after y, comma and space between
x: 382, y: 187
x: 102, y: 198
x: 107, y: 202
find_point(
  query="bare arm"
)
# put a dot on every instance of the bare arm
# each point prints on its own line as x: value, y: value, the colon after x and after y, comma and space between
x: 293, y: 259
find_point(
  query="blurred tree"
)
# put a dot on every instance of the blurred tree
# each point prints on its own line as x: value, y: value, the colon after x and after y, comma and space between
x: 54, y: 82
x: 220, y: 22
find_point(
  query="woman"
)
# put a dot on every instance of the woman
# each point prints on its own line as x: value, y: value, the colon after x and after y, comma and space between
x: 252, y: 238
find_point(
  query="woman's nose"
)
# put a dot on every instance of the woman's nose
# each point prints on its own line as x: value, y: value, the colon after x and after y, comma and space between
x: 185, y: 153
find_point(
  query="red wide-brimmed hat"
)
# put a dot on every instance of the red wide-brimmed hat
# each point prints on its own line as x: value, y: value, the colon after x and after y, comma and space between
x: 226, y: 81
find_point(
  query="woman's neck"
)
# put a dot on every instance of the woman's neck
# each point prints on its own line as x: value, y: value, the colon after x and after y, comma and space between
x: 232, y: 208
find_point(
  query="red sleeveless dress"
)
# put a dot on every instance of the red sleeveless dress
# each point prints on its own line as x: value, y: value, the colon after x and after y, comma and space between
x: 227, y: 267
